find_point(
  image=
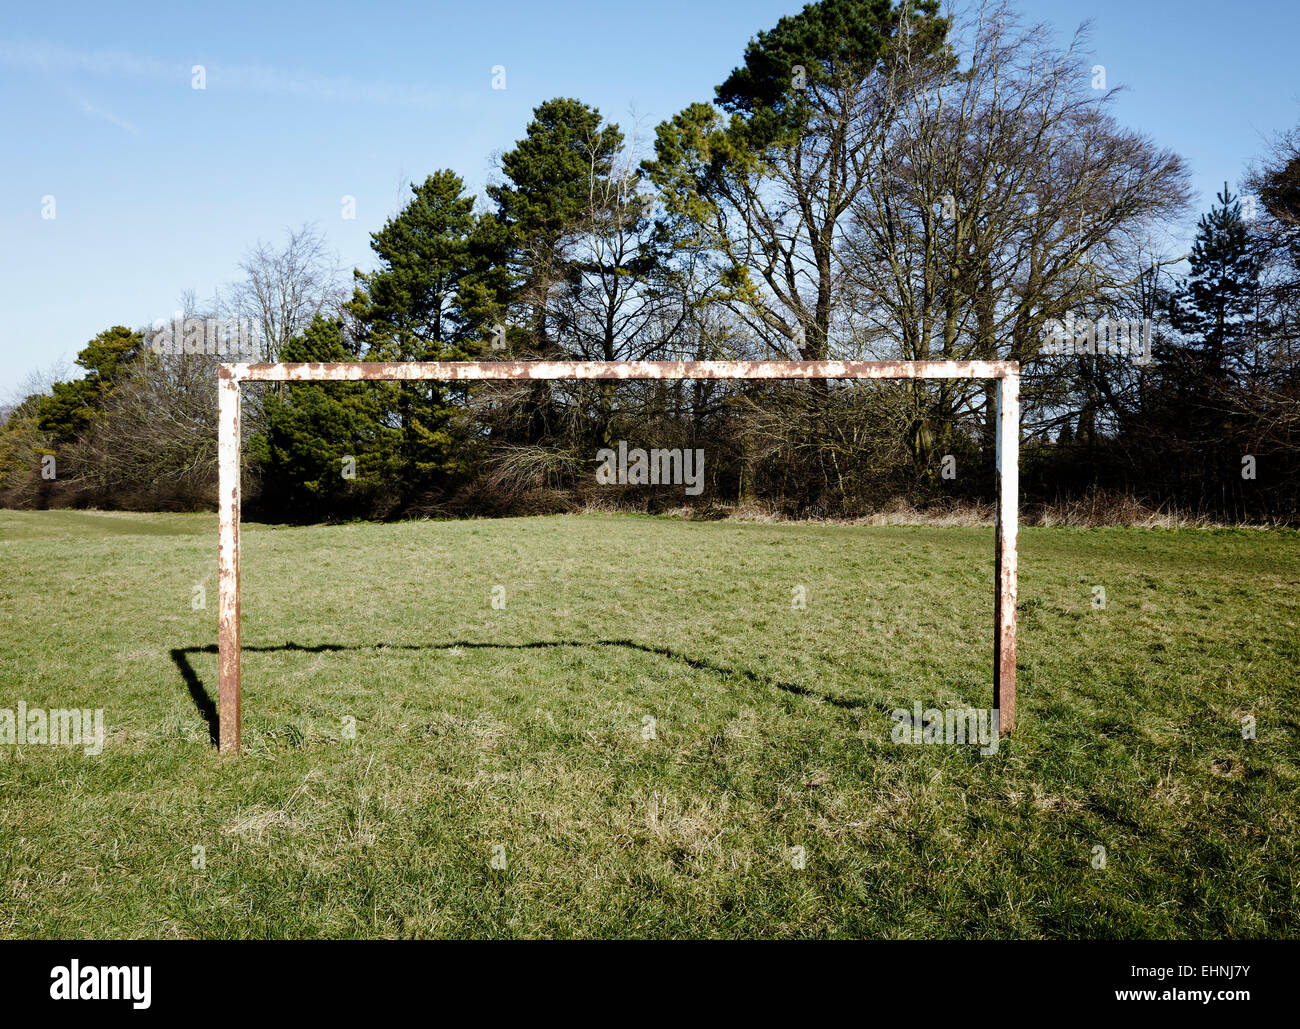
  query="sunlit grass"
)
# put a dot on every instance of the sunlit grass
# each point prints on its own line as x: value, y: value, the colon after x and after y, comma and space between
x: 520, y: 732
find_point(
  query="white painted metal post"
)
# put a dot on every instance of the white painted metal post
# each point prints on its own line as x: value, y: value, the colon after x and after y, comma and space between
x: 1005, y: 560
x: 228, y: 560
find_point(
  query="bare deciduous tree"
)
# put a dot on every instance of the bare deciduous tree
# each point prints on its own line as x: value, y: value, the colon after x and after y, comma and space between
x: 155, y: 442
x: 1003, y: 196
x: 284, y: 288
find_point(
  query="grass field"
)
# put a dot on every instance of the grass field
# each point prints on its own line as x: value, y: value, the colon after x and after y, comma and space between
x: 519, y: 732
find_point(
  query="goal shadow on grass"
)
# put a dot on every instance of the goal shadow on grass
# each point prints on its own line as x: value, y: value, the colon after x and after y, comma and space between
x: 208, y: 708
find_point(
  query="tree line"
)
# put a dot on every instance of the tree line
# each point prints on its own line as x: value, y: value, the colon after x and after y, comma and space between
x: 873, y: 181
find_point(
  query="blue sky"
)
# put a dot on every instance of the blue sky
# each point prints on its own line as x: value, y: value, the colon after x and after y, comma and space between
x: 159, y: 188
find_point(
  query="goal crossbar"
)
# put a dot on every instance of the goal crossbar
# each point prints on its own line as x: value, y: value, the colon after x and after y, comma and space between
x: 231, y: 376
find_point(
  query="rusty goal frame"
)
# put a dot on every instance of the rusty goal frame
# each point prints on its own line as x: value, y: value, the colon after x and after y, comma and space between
x: 231, y: 376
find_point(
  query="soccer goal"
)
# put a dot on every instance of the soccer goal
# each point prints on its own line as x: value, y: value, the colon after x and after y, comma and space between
x: 231, y: 376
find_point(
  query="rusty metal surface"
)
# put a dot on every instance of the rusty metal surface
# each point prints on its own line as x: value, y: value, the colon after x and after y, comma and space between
x: 228, y: 563
x: 229, y: 377
x: 484, y: 370
x: 1006, y: 557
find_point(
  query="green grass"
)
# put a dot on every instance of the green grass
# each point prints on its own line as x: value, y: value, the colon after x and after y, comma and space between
x: 522, y: 729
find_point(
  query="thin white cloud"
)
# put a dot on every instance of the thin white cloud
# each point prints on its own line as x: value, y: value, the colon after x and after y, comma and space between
x: 49, y: 58
x: 320, y: 87
x: 108, y: 116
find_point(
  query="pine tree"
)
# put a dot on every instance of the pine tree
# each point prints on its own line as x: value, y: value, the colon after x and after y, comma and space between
x: 435, y: 258
x: 551, y: 173
x: 1215, y: 307
x: 312, y: 429
x: 554, y: 177
x: 432, y: 299
x: 71, y: 407
x: 1195, y: 415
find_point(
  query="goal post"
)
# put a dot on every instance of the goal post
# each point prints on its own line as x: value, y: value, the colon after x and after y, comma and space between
x: 230, y: 377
